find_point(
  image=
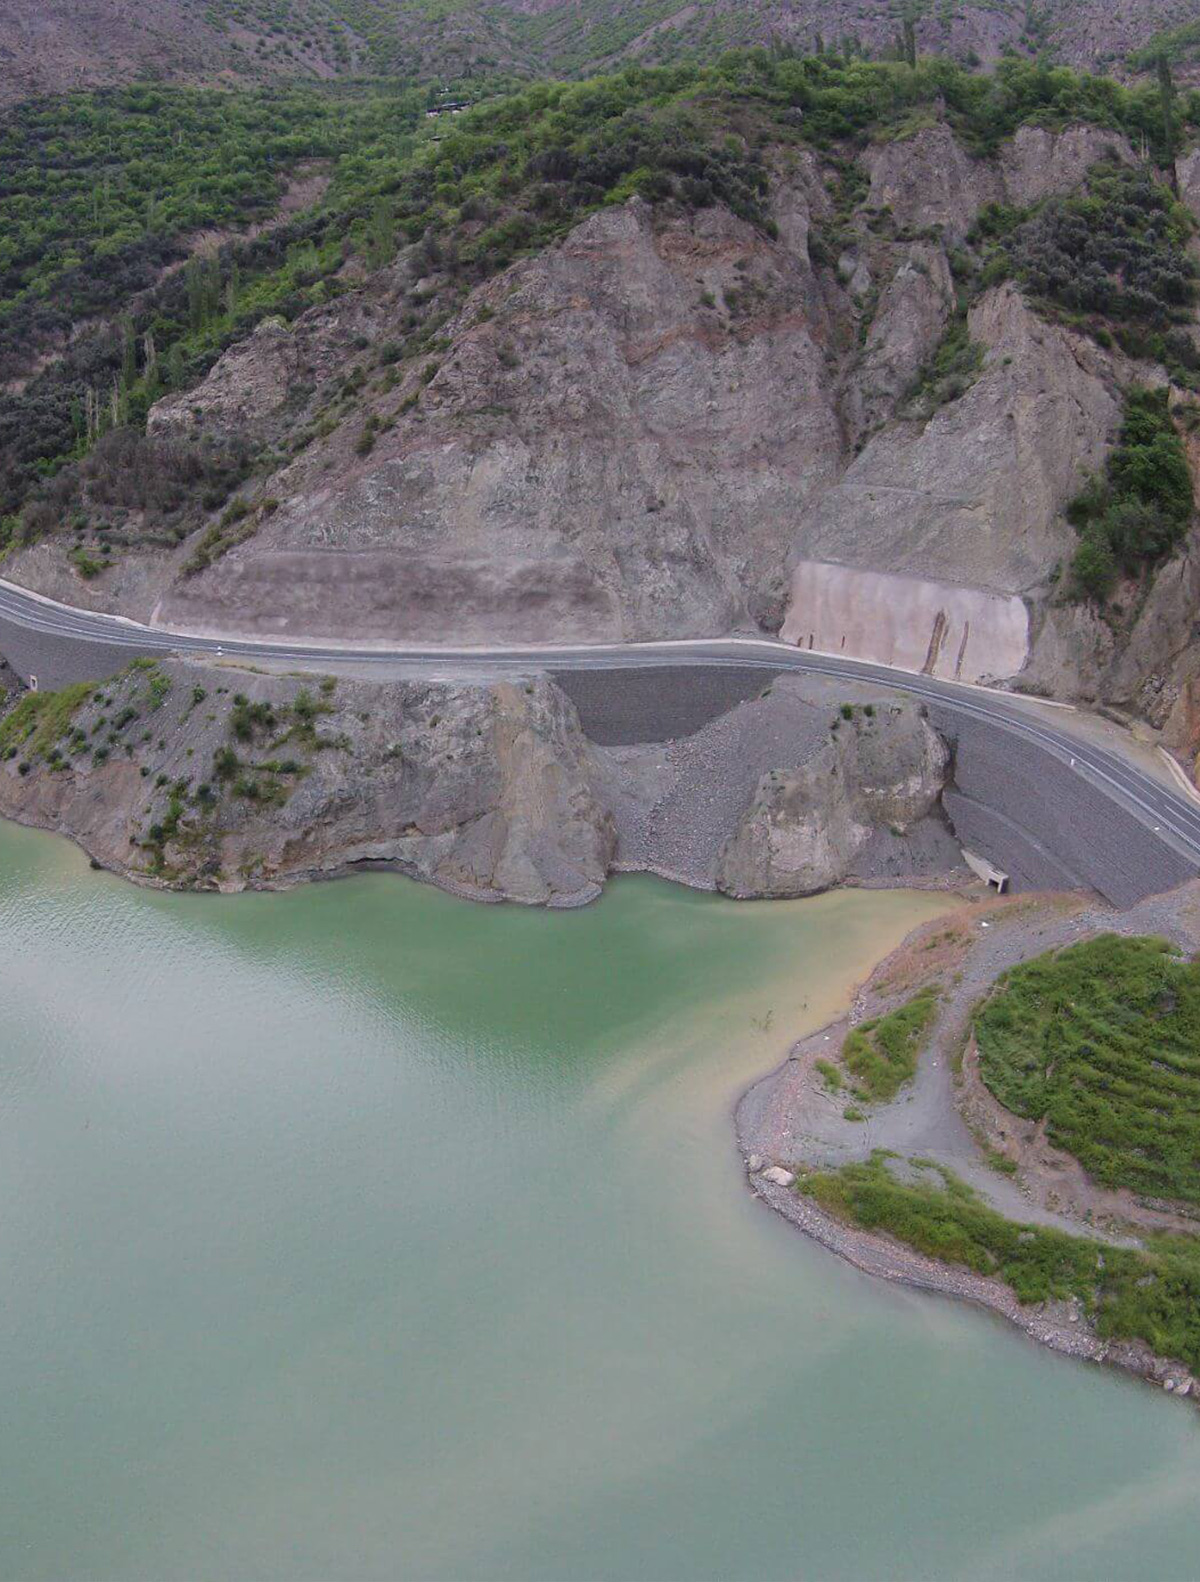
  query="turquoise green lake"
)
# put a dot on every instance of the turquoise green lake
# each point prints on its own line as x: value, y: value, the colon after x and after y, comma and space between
x: 359, y: 1232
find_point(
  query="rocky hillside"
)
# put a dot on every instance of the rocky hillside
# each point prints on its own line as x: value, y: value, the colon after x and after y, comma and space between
x: 50, y: 46
x: 220, y: 778
x: 922, y: 391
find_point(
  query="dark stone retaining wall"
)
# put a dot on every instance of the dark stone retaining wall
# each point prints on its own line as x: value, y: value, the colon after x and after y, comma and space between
x: 1031, y: 815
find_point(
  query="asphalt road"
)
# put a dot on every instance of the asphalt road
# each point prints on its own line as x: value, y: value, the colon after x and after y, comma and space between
x: 61, y: 632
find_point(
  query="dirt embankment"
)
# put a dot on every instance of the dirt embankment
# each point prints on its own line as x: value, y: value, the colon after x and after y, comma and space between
x: 792, y: 1121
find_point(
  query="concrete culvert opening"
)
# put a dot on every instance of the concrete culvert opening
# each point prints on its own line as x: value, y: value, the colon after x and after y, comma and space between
x: 992, y: 876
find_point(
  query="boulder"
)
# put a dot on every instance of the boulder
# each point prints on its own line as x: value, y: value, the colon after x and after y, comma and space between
x: 806, y: 826
x: 777, y: 1176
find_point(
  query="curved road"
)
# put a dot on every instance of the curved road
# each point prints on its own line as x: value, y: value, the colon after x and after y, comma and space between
x: 1172, y: 817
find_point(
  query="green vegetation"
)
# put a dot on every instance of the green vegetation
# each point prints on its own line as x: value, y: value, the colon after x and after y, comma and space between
x: 235, y: 525
x: 1102, y: 1042
x: 39, y: 720
x: 950, y: 372
x: 1150, y: 1294
x: 101, y: 195
x: 881, y: 1055
x: 97, y: 189
x: 1178, y: 45
x: 1117, y: 250
x: 830, y: 1075
x: 1134, y: 516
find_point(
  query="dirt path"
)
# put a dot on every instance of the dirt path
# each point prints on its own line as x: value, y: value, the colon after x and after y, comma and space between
x: 791, y: 1119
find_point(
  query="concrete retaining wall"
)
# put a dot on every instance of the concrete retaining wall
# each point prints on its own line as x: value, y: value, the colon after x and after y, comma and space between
x: 933, y: 628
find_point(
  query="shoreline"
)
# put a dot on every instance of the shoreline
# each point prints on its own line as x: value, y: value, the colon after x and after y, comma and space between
x: 956, y: 881
x: 887, y: 1259
x: 1061, y: 1326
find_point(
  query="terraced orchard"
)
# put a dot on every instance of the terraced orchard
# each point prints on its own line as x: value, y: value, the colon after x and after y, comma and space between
x: 1102, y: 1042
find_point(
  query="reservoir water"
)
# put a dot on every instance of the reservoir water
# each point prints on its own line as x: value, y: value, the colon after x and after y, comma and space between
x: 363, y: 1233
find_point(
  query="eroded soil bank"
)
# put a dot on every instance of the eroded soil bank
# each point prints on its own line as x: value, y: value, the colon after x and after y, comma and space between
x: 792, y: 1121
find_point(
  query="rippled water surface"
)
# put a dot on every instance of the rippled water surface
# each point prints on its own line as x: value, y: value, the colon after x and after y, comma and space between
x: 363, y: 1233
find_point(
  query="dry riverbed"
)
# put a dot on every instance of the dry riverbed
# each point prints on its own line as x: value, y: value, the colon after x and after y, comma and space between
x: 794, y: 1120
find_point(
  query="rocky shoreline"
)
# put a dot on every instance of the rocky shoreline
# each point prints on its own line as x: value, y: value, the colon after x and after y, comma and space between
x: 222, y: 777
x: 780, y: 1132
x: 1060, y: 1326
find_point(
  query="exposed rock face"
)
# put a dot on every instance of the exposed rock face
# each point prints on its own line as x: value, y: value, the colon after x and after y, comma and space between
x: 1151, y: 669
x: 914, y: 309
x: 260, y: 382
x: 804, y: 828
x: 479, y: 789
x: 929, y: 180
x: 221, y: 778
x: 251, y: 381
x: 615, y: 446
x: 1038, y: 163
x: 638, y: 433
x: 673, y: 425
x: 1147, y: 661
x: 942, y: 494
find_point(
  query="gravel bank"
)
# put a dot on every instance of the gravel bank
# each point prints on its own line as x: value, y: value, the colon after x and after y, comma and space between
x: 789, y: 1119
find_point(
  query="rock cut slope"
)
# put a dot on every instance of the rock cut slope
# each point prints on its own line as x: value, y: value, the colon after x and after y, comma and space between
x: 673, y: 421
x: 607, y: 449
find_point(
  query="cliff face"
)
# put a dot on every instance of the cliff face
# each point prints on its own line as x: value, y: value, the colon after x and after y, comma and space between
x: 214, y: 777
x: 677, y: 424
x: 642, y: 432
x: 614, y: 445
x: 223, y: 778
x: 882, y: 770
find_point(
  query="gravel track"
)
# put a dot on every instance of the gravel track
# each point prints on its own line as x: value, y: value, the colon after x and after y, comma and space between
x: 790, y: 1119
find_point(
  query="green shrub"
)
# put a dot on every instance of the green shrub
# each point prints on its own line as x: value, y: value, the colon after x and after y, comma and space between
x: 881, y: 1054
x: 1101, y: 1041
x: 1135, y: 516
x: 830, y: 1074
x: 41, y: 719
x: 1119, y: 249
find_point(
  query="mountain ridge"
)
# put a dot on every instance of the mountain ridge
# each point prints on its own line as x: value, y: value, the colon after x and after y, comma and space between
x: 52, y: 46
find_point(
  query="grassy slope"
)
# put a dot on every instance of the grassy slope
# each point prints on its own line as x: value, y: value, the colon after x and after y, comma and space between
x: 1103, y: 1041
x: 882, y: 1054
x: 1150, y: 1294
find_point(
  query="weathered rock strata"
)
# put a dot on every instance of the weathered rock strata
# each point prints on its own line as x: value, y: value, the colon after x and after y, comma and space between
x: 680, y: 424
x: 804, y: 828
x: 216, y: 777
x: 481, y: 790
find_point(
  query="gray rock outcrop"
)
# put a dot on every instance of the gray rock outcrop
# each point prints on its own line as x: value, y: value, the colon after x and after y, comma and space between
x: 805, y: 827
x: 977, y: 491
x: 614, y: 446
x: 219, y: 778
x: 480, y: 789
x: 676, y: 424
